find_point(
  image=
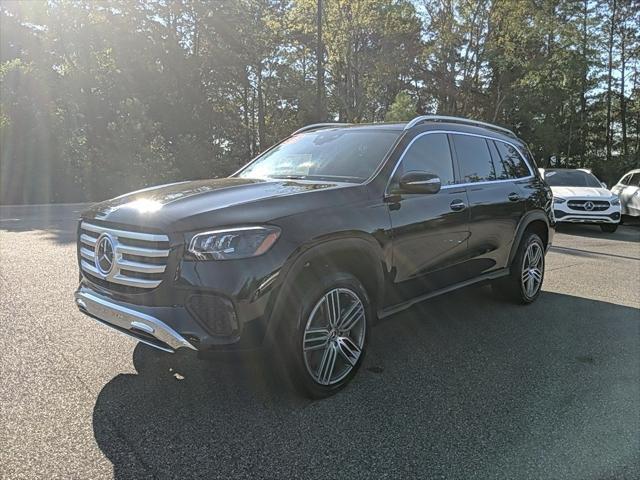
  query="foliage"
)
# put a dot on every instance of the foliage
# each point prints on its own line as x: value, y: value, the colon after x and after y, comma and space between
x: 98, y: 98
x: 403, y: 108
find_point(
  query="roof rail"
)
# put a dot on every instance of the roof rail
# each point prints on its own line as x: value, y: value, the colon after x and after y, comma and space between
x: 467, y: 121
x: 315, y: 126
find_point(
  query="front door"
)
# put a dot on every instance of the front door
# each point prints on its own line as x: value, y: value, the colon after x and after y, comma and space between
x: 430, y: 231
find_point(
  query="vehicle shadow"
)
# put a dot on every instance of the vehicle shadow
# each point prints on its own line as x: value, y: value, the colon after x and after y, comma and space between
x: 462, y: 386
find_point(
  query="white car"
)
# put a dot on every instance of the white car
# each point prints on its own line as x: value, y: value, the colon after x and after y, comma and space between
x: 628, y: 189
x: 579, y: 197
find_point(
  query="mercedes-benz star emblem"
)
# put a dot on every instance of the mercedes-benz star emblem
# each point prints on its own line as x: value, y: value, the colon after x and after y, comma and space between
x: 588, y: 206
x: 104, y: 254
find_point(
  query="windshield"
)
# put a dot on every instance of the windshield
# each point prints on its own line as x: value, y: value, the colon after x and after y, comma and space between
x: 571, y: 178
x: 340, y: 155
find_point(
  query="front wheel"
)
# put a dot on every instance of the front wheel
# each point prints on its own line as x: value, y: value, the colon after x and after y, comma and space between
x: 609, y: 227
x: 330, y: 334
x: 524, y: 282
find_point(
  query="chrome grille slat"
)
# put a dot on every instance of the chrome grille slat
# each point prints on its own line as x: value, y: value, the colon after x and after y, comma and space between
x: 86, y: 253
x: 143, y: 252
x: 124, y: 270
x: 149, y: 237
x: 84, y: 238
x: 141, y: 267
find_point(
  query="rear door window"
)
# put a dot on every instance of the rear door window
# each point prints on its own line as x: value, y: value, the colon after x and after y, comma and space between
x: 476, y: 164
x: 512, y: 162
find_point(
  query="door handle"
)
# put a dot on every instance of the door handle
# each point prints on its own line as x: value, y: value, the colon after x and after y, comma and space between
x: 457, y: 205
x: 514, y: 197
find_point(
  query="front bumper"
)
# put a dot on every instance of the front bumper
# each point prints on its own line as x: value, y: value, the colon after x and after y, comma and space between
x: 145, y: 328
x: 564, y: 214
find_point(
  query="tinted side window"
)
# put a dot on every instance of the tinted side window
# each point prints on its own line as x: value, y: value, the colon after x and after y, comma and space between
x: 511, y: 160
x: 502, y: 173
x: 474, y: 159
x: 429, y: 153
x: 625, y: 180
x: 635, y: 180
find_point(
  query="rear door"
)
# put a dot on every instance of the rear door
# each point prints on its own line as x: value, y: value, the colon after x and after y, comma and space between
x: 492, y: 172
x: 430, y: 231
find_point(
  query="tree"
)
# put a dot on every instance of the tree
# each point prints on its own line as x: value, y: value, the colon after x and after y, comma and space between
x: 402, y: 109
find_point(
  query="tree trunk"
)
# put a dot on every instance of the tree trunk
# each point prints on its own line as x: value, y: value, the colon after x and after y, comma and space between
x: 320, y: 108
x: 583, y: 79
x: 609, y: 135
x: 623, y: 100
x: 261, y: 122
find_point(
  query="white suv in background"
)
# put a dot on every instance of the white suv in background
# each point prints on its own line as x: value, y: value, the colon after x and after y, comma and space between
x: 579, y: 197
x: 628, y: 189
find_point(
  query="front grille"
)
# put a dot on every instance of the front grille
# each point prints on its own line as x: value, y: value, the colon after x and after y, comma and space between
x: 133, y: 259
x: 598, y: 205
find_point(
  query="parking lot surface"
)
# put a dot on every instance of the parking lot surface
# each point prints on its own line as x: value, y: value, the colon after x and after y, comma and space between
x: 463, y: 386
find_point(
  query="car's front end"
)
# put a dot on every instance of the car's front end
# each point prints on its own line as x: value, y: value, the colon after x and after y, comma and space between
x: 192, y: 265
x: 579, y: 197
x: 585, y: 207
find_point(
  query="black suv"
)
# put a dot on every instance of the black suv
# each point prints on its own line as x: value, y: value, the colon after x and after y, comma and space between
x: 303, y: 248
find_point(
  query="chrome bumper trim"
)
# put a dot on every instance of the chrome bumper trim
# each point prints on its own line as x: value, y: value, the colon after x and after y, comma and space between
x: 131, y: 322
x: 585, y: 219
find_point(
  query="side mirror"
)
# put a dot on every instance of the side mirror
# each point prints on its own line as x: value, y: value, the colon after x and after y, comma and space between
x: 420, y: 182
x: 604, y: 185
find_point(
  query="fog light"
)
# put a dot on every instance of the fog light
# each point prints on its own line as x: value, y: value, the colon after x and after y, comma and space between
x: 216, y: 314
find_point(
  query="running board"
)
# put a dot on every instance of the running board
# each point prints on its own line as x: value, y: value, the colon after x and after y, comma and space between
x: 421, y: 298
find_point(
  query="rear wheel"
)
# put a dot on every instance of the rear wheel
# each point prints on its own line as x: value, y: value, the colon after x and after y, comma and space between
x: 330, y: 333
x: 524, y: 282
x: 609, y: 227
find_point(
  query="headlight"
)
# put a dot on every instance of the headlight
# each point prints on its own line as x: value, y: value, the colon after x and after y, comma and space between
x: 559, y: 200
x: 233, y: 243
x: 615, y: 201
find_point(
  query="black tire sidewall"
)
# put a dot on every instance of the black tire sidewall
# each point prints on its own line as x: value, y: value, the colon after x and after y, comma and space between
x: 294, y: 331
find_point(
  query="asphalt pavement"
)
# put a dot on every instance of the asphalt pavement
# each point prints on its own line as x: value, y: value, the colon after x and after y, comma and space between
x: 464, y: 386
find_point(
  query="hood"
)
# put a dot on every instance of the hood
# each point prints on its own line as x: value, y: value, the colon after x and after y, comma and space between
x: 581, y: 192
x: 158, y: 207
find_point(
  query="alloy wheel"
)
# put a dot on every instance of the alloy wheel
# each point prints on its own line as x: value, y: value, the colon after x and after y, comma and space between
x: 532, y: 269
x: 334, y: 336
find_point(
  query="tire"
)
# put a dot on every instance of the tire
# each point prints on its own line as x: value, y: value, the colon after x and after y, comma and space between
x: 321, y: 359
x: 609, y: 227
x: 523, y: 285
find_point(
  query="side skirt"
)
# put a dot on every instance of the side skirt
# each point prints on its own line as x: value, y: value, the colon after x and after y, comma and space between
x: 392, y: 310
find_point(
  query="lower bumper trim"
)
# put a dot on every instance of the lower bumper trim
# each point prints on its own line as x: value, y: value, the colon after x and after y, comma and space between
x: 143, y: 327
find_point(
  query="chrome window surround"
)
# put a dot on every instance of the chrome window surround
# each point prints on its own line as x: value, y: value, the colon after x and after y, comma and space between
x: 458, y: 185
x: 120, y: 248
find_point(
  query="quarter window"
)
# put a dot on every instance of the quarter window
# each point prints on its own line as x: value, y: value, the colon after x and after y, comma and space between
x: 512, y: 163
x: 428, y: 153
x: 474, y: 158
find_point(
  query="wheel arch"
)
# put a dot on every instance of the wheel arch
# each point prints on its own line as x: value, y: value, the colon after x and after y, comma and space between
x: 356, y: 253
x: 535, y: 221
